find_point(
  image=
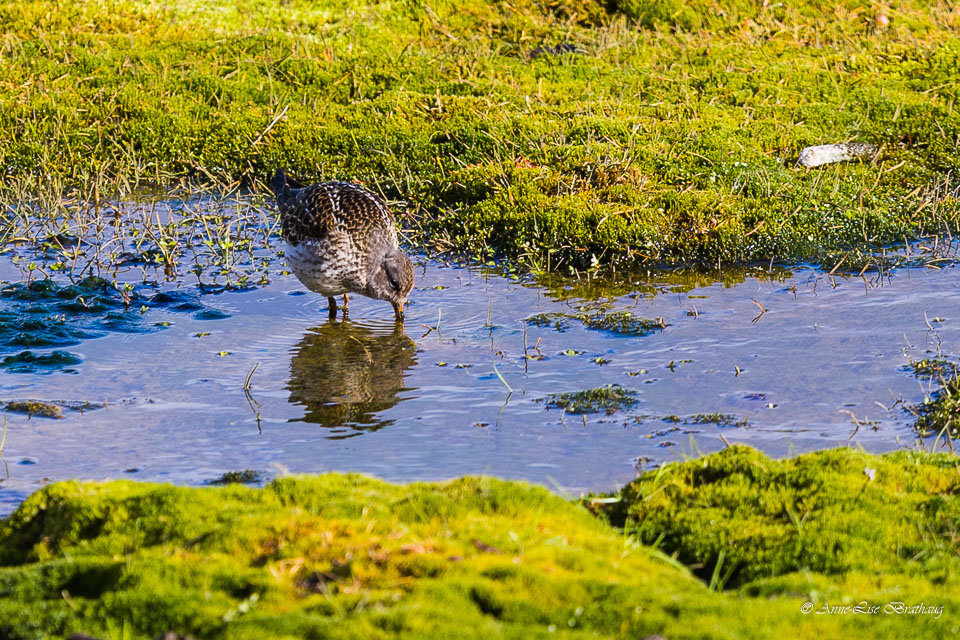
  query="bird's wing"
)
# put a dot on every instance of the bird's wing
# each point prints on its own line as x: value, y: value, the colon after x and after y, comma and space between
x: 317, y: 211
x: 360, y: 209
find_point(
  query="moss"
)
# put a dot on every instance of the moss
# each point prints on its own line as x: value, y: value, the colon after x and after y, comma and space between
x: 609, y: 399
x: 855, y: 517
x: 671, y: 138
x: 345, y: 556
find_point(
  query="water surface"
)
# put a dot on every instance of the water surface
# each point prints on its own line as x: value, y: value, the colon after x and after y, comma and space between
x: 151, y: 379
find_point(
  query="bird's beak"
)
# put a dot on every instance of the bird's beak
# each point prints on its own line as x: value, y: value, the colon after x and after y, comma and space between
x: 398, y: 309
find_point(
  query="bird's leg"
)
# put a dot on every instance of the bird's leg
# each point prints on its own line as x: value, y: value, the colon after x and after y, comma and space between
x: 332, y: 307
x: 346, y: 302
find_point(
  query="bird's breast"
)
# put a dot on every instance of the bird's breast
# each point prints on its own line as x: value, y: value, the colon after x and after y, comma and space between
x: 328, y: 268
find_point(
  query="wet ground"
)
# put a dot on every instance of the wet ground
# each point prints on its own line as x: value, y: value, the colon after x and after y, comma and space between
x: 153, y: 380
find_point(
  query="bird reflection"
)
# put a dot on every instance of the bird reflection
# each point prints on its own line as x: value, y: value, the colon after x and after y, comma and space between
x: 345, y: 373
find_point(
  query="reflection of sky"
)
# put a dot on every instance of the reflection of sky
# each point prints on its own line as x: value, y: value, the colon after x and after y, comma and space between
x: 176, y: 409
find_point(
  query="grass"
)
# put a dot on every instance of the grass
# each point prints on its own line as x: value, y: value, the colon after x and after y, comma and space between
x: 649, y: 132
x: 345, y: 556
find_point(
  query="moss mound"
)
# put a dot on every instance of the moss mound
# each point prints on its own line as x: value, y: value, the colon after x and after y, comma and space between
x: 752, y: 521
x: 340, y: 556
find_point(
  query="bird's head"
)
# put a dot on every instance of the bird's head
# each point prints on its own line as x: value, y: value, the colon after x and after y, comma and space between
x: 392, y: 280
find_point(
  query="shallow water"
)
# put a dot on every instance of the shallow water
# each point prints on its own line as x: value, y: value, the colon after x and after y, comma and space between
x: 153, y: 387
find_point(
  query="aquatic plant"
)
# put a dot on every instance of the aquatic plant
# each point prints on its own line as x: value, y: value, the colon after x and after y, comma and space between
x: 247, y: 476
x: 939, y: 414
x: 49, y: 313
x: 609, y: 399
x: 719, y: 419
x: 933, y: 368
x: 623, y: 323
x: 34, y: 408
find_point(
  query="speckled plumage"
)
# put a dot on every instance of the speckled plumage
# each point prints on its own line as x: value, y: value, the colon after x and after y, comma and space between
x: 341, y: 239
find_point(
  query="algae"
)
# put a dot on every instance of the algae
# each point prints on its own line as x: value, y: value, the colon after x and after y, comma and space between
x: 719, y: 419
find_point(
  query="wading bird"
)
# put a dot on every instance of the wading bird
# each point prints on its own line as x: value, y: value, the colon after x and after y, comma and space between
x: 340, y: 240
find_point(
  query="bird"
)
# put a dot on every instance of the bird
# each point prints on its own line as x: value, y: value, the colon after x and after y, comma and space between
x: 341, y: 239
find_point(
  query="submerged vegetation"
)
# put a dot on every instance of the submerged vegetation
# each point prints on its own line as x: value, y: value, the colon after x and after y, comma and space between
x: 563, y: 135
x: 349, y: 557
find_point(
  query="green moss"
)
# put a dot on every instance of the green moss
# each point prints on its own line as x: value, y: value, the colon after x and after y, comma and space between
x: 609, y: 399
x: 842, y: 513
x: 672, y: 138
x: 348, y: 557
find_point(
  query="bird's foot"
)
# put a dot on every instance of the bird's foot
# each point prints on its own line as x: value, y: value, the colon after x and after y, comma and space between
x: 332, y: 308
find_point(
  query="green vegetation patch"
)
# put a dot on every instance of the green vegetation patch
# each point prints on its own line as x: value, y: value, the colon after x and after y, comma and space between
x: 939, y: 414
x: 563, y: 135
x: 933, y: 369
x: 742, y: 519
x: 247, y: 476
x: 34, y: 408
x: 719, y: 419
x: 609, y: 399
x: 340, y: 556
x: 623, y: 323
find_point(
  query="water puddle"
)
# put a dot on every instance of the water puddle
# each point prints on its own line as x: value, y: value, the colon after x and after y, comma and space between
x: 574, y: 385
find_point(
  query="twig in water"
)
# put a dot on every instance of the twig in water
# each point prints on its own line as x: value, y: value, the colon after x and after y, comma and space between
x: 251, y: 401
